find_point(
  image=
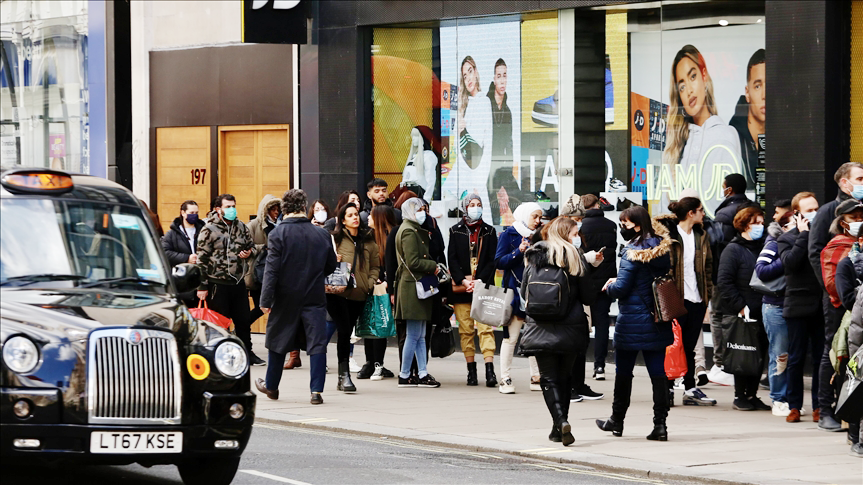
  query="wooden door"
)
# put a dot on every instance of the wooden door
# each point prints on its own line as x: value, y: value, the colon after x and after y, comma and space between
x: 254, y: 161
x: 182, y: 170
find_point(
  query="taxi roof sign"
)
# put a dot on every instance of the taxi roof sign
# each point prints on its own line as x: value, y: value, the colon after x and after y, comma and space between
x: 37, y: 181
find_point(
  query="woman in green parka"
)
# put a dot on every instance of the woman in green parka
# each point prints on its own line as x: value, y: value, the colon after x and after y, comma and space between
x: 414, y: 262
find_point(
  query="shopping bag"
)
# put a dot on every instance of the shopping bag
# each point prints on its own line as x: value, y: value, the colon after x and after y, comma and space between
x: 444, y: 340
x: 377, y: 318
x: 675, y: 357
x: 202, y: 312
x: 491, y: 305
x: 849, y: 407
x: 342, y: 279
x: 742, y: 354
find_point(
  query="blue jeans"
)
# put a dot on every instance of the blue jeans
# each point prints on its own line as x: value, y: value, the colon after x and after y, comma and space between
x: 415, y: 345
x: 777, y: 351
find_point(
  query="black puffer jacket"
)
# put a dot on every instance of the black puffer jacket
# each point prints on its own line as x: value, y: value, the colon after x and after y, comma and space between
x: 722, y: 228
x: 735, y: 272
x: 571, y: 335
x: 597, y: 232
x: 176, y: 242
x: 802, y: 289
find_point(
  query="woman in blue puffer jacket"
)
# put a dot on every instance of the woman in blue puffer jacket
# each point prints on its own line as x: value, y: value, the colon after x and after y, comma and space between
x: 644, y: 258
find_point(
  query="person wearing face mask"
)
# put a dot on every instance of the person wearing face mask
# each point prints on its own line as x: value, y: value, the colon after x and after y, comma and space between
x: 509, y: 257
x: 225, y: 245
x: 846, y: 225
x: 644, y: 257
x: 319, y: 213
x: 472, y: 244
x: 181, y: 242
x: 737, y: 298
x: 268, y: 215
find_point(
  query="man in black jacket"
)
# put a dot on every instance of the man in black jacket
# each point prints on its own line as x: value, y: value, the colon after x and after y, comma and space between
x: 849, y: 178
x: 721, y: 233
x: 599, y: 234
x: 181, y: 242
x: 377, y: 194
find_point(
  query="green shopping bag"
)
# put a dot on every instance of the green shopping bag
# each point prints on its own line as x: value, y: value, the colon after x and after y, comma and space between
x: 377, y: 318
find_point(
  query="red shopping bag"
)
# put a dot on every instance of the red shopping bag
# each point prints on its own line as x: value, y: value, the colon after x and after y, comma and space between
x: 204, y: 313
x: 675, y: 357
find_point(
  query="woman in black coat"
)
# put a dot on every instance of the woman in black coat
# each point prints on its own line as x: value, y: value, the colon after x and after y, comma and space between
x: 472, y: 245
x: 737, y: 298
x: 181, y: 240
x: 556, y: 344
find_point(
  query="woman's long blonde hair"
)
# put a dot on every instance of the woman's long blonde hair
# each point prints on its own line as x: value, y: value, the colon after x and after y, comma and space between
x: 678, y: 121
x: 561, y: 252
x: 463, y: 95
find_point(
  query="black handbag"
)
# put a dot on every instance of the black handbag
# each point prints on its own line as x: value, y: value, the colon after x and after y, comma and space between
x: 444, y: 338
x: 743, y: 354
x: 849, y: 407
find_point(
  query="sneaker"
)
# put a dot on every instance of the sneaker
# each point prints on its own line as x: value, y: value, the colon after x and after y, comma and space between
x: 678, y: 384
x: 721, y: 377
x: 781, y: 409
x: 701, y: 376
x: 378, y: 374
x: 428, y: 381
x: 257, y: 360
x: 545, y: 111
x: 366, y: 371
x: 793, y: 416
x: 830, y: 424
x: 575, y: 397
x: 407, y: 382
x: 506, y: 386
x: 696, y: 397
x: 743, y: 405
x: 587, y: 393
x: 856, y: 450
x: 758, y: 404
x: 386, y: 373
x: 534, y: 385
x: 354, y: 367
x: 599, y: 373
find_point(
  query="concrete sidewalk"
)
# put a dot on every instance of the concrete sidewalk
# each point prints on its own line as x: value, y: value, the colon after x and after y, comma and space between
x: 705, y: 443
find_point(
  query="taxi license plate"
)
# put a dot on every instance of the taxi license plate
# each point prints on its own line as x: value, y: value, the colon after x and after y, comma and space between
x: 136, y: 442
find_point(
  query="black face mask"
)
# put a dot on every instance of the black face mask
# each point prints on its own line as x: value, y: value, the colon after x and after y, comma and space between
x: 628, y: 234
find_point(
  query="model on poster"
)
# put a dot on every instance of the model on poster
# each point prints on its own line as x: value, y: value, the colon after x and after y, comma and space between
x: 421, y: 165
x: 703, y: 146
x: 751, y: 114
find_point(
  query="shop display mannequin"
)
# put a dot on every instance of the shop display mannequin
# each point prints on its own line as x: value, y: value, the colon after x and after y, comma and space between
x: 421, y: 165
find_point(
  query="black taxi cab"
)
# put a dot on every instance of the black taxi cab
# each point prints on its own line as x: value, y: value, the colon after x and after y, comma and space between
x: 101, y: 363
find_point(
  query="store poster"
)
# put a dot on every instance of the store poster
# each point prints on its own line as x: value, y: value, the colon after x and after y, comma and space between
x: 715, y: 114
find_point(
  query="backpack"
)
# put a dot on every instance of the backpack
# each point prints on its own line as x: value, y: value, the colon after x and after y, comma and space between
x: 546, y: 293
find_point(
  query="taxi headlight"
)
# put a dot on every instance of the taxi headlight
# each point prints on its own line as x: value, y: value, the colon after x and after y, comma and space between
x: 231, y: 359
x: 20, y: 354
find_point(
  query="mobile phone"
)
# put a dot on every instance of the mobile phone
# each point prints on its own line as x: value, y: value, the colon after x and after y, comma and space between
x: 602, y: 249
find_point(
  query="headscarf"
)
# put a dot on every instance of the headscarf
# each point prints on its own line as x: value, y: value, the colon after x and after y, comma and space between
x: 522, y: 214
x: 464, y: 204
x: 410, y: 208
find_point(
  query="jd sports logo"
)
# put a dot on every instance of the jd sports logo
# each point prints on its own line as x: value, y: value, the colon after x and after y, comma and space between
x: 277, y: 4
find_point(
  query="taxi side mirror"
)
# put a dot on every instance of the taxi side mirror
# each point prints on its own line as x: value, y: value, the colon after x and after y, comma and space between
x: 186, y: 277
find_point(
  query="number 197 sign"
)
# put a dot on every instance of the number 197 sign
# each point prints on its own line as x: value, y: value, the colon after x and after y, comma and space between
x: 199, y: 176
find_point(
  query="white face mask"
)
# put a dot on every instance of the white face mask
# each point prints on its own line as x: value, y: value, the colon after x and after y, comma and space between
x: 576, y: 241
x: 810, y: 216
x: 421, y: 217
x: 474, y: 213
x: 578, y: 223
x: 321, y: 216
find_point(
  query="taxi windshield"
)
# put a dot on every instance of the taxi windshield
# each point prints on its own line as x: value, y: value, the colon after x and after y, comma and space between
x: 82, y: 243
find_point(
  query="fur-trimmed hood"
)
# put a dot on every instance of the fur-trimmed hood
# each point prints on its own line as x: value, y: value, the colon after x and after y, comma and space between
x: 537, y: 255
x: 670, y: 221
x: 651, y: 248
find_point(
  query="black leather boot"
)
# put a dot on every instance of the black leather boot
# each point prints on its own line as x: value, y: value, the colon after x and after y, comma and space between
x: 554, y: 436
x: 471, y: 374
x: 554, y: 400
x: 660, y: 409
x: 490, y: 377
x: 345, y: 382
x: 619, y: 406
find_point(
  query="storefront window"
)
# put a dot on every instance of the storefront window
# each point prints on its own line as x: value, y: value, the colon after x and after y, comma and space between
x: 44, y: 118
x: 469, y: 107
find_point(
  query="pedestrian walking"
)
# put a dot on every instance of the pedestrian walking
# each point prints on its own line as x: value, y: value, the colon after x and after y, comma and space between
x: 268, y: 215
x: 299, y: 257
x: 355, y: 244
x: 644, y: 257
x: 181, y: 242
x: 509, y: 257
x: 472, y: 245
x: 692, y: 268
x: 414, y: 261
x: 556, y: 342
x: 224, y: 248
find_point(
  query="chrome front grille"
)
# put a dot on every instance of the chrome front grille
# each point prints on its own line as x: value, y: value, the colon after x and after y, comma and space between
x: 134, y: 377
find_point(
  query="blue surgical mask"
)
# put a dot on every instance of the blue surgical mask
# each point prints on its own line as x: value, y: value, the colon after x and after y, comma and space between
x: 474, y: 213
x: 421, y: 217
x: 756, y: 231
x: 230, y: 213
x: 578, y: 223
x: 857, y: 192
x: 810, y: 216
x: 854, y: 228
x: 576, y: 241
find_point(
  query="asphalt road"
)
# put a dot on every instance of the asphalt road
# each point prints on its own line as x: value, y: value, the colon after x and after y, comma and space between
x: 299, y: 456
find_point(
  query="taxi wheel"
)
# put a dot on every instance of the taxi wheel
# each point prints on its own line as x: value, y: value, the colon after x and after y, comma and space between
x: 209, y: 471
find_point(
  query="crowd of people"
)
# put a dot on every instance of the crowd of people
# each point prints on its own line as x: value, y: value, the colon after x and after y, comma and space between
x: 809, y: 258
